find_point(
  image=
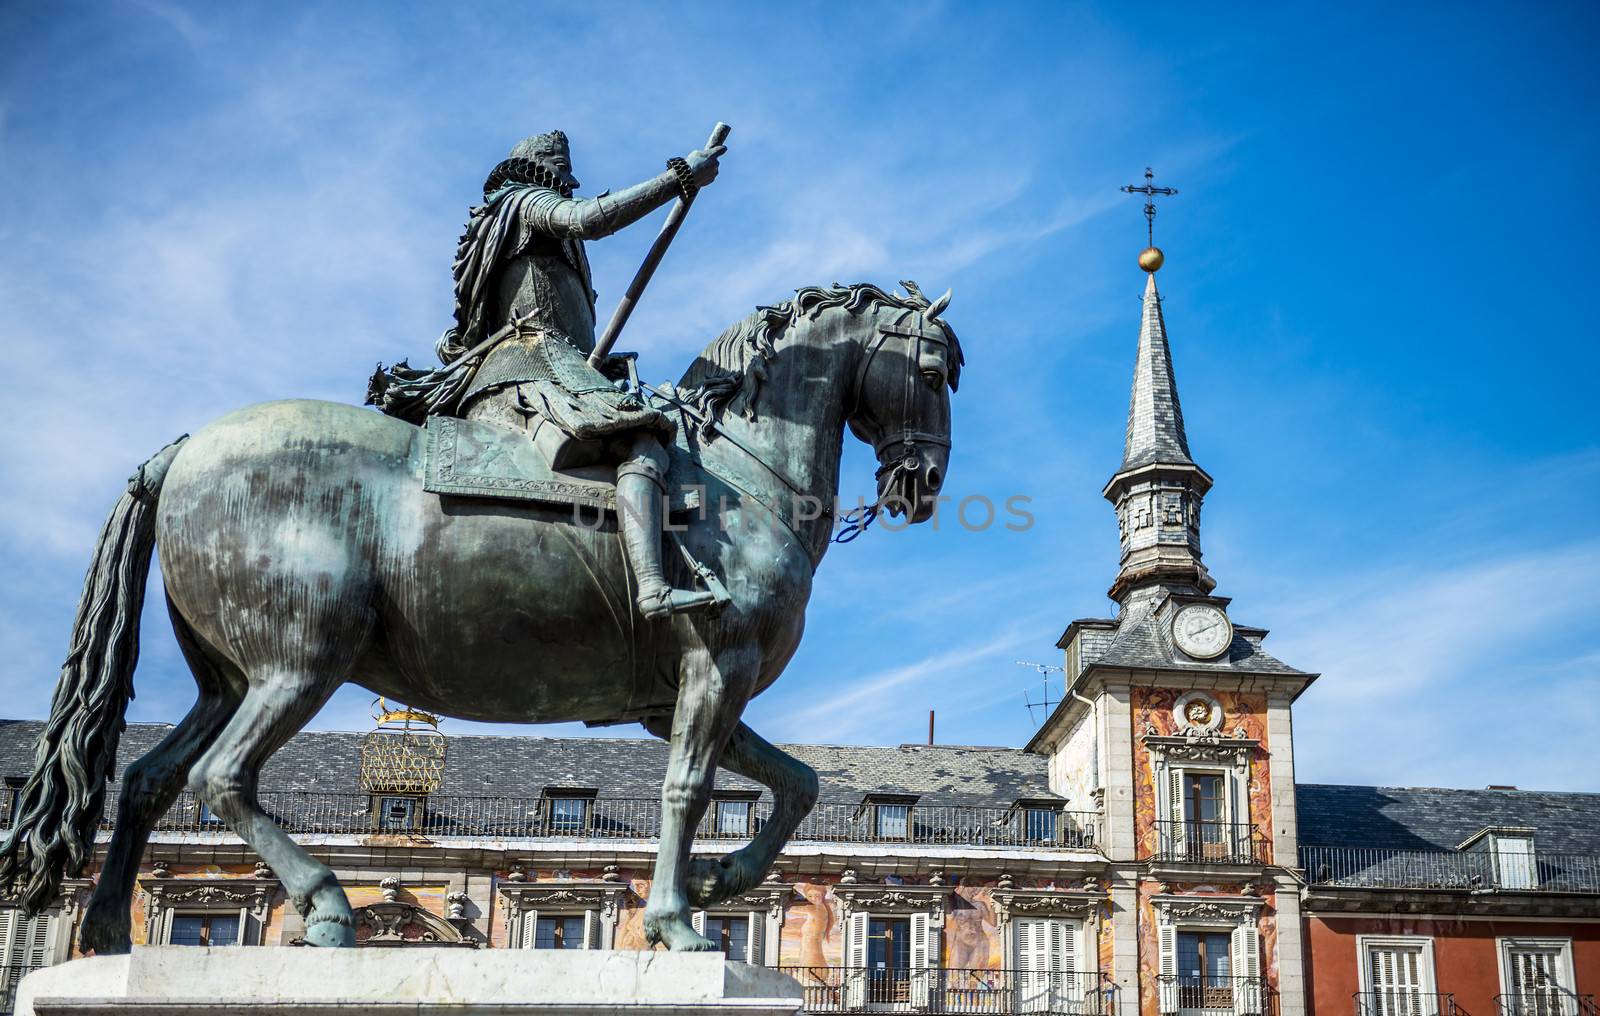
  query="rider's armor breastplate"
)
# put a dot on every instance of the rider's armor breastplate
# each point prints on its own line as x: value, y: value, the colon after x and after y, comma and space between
x: 541, y: 286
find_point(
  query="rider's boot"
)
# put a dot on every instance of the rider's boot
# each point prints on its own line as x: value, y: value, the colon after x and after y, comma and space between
x: 641, y: 490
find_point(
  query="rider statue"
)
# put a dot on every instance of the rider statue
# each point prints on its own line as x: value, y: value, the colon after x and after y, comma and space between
x: 521, y: 263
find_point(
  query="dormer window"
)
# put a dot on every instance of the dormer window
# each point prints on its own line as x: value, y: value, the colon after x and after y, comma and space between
x: 1512, y: 862
x: 890, y: 815
x: 732, y: 813
x: 568, y: 810
x: 1039, y: 821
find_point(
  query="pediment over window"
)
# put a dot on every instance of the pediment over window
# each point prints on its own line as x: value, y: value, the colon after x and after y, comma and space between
x: 1230, y: 910
x: 1194, y: 745
x: 933, y: 900
x: 254, y: 894
x: 1072, y: 903
x: 395, y: 923
x: 605, y: 897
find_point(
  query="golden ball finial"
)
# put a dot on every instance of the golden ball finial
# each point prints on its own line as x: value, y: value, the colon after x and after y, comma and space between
x: 1151, y: 259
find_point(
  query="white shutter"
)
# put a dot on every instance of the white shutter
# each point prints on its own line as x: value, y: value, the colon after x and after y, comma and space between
x: 1396, y: 980
x: 1246, y: 969
x: 8, y: 921
x: 529, y: 928
x: 1514, y: 857
x: 1064, y: 964
x: 922, y: 962
x: 1178, y: 842
x: 1033, y: 965
x: 698, y: 921
x: 591, y: 930
x: 756, y: 944
x: 855, y: 961
x: 1167, y: 944
x: 1536, y: 981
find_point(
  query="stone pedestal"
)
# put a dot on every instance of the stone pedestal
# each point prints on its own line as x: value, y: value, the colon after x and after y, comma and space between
x: 185, y: 981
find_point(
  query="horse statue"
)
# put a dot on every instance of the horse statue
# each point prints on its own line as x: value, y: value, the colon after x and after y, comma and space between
x: 301, y: 551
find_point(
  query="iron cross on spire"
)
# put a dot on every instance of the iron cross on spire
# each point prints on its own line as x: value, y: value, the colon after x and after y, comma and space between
x: 1150, y: 190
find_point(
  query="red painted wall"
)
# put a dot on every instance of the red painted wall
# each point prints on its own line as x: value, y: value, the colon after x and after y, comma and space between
x: 1466, y: 960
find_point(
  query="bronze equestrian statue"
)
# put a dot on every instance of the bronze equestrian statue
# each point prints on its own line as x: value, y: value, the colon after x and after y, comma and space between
x: 306, y: 544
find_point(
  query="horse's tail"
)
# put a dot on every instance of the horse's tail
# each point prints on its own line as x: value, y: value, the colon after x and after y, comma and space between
x: 61, y: 804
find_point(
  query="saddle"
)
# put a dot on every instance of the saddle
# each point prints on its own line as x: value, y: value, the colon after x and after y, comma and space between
x: 474, y: 458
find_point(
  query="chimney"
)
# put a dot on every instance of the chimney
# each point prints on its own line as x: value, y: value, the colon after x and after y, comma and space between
x: 930, y: 728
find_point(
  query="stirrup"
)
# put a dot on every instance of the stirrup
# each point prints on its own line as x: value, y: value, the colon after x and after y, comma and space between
x: 665, y: 601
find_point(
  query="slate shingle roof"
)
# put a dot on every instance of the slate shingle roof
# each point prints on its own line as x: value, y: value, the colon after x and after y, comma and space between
x: 1429, y: 818
x: 1141, y: 643
x: 492, y: 766
x: 1155, y: 419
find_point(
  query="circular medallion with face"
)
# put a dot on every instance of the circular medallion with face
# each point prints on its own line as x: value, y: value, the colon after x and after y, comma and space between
x: 1202, y: 631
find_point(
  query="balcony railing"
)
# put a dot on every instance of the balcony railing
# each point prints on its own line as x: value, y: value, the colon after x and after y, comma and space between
x: 1246, y: 996
x: 307, y: 813
x: 1049, y: 993
x: 1549, y: 1002
x: 1405, y: 1002
x: 1209, y: 843
x: 1382, y: 868
x: 9, y: 976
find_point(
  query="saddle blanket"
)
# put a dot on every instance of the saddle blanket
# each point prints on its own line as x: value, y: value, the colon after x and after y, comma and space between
x: 470, y: 458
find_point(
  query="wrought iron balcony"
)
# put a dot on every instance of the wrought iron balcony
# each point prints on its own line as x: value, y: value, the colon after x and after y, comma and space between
x: 1549, y: 1002
x: 1470, y: 871
x: 1209, y: 843
x: 436, y: 816
x: 961, y: 991
x: 1244, y: 996
x: 1405, y: 1002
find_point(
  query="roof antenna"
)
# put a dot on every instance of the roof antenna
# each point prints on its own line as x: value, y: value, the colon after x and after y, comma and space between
x: 1045, y: 705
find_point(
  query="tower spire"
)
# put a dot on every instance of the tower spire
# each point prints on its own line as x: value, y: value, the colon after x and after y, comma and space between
x: 1158, y: 489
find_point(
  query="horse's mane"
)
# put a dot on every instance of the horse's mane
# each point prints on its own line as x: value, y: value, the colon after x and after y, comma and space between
x: 735, y: 360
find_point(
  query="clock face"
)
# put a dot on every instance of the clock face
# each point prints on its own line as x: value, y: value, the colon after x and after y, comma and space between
x: 1202, y: 631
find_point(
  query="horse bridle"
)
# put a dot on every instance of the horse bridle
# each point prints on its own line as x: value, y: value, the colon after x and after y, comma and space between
x: 907, y: 435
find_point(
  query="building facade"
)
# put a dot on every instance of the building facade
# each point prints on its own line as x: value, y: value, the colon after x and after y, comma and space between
x: 1147, y: 853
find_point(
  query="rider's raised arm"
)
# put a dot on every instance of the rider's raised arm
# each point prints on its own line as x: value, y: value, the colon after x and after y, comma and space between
x: 591, y: 218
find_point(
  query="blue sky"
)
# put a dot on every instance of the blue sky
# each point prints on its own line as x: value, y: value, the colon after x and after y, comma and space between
x: 1375, y: 288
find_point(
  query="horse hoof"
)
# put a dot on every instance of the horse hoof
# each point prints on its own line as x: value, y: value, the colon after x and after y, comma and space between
x: 105, y: 935
x: 675, y: 933
x: 331, y: 931
x: 710, y: 882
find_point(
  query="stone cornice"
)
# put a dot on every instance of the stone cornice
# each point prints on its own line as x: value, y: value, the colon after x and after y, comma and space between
x: 389, y: 922
x: 71, y: 895
x: 1171, y: 908
x: 1012, y: 903
x: 893, y: 899
x: 165, y: 893
x: 605, y: 897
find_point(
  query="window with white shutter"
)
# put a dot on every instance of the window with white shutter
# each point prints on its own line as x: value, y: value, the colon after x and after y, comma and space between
x: 1047, y: 964
x: 756, y: 950
x: 1167, y: 947
x: 1398, y: 978
x: 1538, y: 977
x: 855, y: 948
x: 1514, y: 863
x: 1246, y: 968
x: 922, y: 960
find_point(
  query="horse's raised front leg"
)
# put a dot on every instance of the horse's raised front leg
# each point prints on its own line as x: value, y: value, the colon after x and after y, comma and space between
x: 711, y: 695
x: 794, y: 791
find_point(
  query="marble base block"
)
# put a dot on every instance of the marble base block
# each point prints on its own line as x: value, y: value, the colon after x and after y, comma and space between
x: 188, y: 981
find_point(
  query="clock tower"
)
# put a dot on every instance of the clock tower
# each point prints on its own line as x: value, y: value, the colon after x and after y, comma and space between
x: 1176, y: 727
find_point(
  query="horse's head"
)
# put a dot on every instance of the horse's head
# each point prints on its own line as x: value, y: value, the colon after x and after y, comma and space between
x: 900, y: 402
